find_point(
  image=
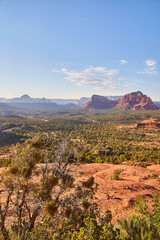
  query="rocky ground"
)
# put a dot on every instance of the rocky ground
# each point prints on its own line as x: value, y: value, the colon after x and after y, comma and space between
x: 119, y: 196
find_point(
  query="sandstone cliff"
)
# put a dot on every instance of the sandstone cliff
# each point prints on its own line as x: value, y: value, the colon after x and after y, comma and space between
x: 136, y: 101
x: 99, y: 102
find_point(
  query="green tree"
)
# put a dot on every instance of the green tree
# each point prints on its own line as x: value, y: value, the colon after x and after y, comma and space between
x: 42, y: 194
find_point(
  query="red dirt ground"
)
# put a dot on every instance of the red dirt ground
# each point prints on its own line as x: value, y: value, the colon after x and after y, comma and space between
x: 119, y: 196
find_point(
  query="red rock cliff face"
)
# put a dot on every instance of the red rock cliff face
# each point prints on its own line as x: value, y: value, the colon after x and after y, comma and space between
x: 136, y: 101
x: 99, y: 102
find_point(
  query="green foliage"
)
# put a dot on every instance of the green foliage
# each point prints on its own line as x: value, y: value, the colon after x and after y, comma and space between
x: 116, y: 174
x: 40, y: 232
x: 88, y: 183
x: 153, y: 175
x: 142, y: 226
x: 89, y: 228
x: 137, y: 227
x: 47, y: 205
x: 47, y: 184
x: 61, y: 208
x: 95, y: 132
x: 25, y: 159
x: 50, y: 208
x: 152, y: 216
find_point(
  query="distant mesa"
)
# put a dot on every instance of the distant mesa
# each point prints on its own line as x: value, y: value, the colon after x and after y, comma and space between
x: 135, y: 101
x: 25, y: 96
x: 27, y: 99
x: 99, y: 102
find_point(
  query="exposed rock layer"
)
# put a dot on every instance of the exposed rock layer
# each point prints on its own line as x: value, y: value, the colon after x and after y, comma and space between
x: 152, y: 123
x: 99, y: 102
x: 134, y: 101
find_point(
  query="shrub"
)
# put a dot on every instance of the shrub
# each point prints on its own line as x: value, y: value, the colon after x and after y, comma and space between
x: 116, y: 174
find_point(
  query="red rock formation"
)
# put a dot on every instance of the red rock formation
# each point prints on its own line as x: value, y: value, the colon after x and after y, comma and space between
x: 99, y: 102
x: 151, y: 123
x: 136, y: 101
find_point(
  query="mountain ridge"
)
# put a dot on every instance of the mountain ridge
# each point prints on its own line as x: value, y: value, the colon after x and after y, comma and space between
x: 135, y: 101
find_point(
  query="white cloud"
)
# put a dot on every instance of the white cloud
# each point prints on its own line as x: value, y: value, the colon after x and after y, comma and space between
x: 123, y: 62
x: 97, y: 77
x: 148, y: 71
x: 150, y: 67
x: 150, y: 63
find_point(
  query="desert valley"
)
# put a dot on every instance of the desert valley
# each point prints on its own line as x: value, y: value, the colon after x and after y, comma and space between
x: 114, y: 143
x: 80, y: 120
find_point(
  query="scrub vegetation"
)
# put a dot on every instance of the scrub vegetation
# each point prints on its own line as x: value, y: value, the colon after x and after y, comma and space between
x: 41, y: 197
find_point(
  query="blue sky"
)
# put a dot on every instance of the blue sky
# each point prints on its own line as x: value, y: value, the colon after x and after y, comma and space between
x: 75, y: 48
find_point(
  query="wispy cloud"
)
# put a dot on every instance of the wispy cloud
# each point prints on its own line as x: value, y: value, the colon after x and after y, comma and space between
x: 97, y: 77
x: 150, y: 67
x: 123, y: 61
x: 150, y: 63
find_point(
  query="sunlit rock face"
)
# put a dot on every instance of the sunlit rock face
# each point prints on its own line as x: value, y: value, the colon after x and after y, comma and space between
x: 99, y: 102
x: 136, y: 101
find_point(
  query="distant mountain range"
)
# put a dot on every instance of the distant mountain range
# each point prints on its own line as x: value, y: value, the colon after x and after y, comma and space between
x: 27, y: 99
x: 25, y: 102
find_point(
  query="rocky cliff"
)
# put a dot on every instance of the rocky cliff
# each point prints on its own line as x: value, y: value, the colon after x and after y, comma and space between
x: 136, y: 101
x: 99, y: 102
